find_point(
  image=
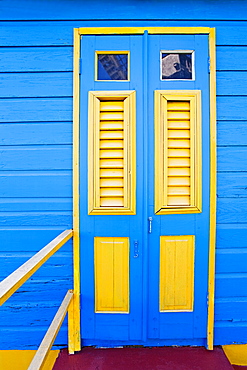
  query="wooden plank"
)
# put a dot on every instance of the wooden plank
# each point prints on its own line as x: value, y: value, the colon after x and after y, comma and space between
x: 48, y: 340
x: 231, y: 285
x: 232, y: 158
x: 56, y: 267
x: 31, y: 238
x: 60, y: 33
x: 36, y: 110
x: 41, y: 59
x: 231, y: 58
x: 18, y: 85
x: 232, y: 185
x: 9, y: 285
x: 231, y: 82
x: 226, y: 330
x: 231, y: 210
x: 36, y: 184
x: 36, y: 158
x: 33, y: 336
x: 88, y: 9
x: 231, y: 260
x: 35, y: 204
x: 49, y: 133
x: 231, y: 108
x: 231, y: 309
x: 230, y: 235
x: 48, y: 219
x: 225, y: 131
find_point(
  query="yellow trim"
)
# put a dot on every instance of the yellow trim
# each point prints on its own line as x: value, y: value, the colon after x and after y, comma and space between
x: 111, y: 52
x: 213, y: 184
x: 236, y: 354
x: 111, y: 270
x: 177, y: 273
x: 141, y: 30
x: 128, y: 99
x: 20, y: 359
x: 76, y: 225
x: 162, y: 97
x: 173, y: 30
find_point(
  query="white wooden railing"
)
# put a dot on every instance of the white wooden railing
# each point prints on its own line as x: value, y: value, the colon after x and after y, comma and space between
x: 15, y: 280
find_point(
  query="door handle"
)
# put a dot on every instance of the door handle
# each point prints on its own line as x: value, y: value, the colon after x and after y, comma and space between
x: 136, y: 251
x: 150, y: 219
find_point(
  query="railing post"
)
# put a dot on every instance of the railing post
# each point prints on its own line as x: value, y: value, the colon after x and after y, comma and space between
x: 71, y: 328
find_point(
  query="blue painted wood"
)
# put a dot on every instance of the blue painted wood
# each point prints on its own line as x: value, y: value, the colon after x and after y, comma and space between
x: 89, y: 9
x: 36, y: 184
x: 40, y: 46
x: 232, y: 158
x: 36, y: 158
x: 61, y: 219
x: 48, y: 33
x: 35, y: 204
x: 29, y: 239
x: 225, y: 130
x: 231, y: 260
x: 12, y: 337
x: 94, y: 325
x: 36, y: 110
x: 231, y: 309
x: 231, y: 285
x: 125, y: 226
x: 58, y: 266
x: 231, y: 83
x: 40, y: 84
x: 160, y: 324
x: 225, y: 332
x: 48, y: 133
x: 231, y: 58
x: 231, y: 235
x: 42, y: 59
x: 232, y: 185
x: 231, y: 210
x: 230, y: 108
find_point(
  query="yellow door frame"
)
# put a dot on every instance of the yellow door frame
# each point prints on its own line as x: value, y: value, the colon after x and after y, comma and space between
x: 78, y: 32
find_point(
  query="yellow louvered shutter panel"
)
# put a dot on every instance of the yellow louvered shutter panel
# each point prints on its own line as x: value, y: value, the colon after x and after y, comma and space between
x: 111, y: 163
x: 177, y: 152
x: 112, y: 153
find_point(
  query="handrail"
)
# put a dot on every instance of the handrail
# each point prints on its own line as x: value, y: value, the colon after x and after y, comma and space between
x: 50, y: 336
x: 15, y: 280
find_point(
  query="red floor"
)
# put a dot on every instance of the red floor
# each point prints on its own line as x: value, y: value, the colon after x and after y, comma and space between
x: 158, y: 358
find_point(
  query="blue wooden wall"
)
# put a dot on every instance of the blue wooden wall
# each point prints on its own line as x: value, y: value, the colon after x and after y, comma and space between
x: 36, y: 149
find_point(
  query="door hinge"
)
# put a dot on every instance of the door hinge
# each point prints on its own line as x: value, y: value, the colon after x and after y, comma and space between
x: 208, y: 65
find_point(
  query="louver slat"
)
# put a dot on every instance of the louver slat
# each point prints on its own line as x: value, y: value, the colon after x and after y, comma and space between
x: 111, y: 172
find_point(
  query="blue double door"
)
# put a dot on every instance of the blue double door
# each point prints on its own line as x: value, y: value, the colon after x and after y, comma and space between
x: 152, y: 271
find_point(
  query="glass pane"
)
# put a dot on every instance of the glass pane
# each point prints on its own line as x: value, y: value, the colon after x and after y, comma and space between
x: 176, y: 66
x: 112, y: 67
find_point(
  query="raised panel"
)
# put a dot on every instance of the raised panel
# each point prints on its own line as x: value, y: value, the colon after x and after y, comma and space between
x: 111, y: 258
x: 176, y: 273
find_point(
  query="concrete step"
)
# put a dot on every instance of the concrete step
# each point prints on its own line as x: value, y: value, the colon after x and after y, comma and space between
x: 143, y: 358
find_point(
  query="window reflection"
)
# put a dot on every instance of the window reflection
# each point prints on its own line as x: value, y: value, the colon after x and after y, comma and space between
x: 112, y: 67
x: 176, y: 66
